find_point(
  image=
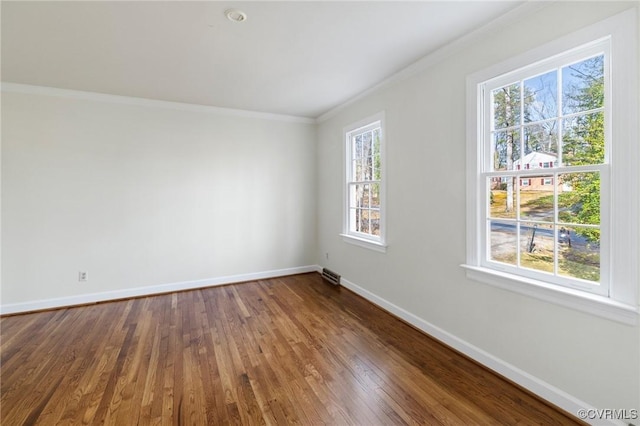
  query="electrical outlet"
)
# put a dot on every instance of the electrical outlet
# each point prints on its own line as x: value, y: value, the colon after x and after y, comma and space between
x: 83, y: 276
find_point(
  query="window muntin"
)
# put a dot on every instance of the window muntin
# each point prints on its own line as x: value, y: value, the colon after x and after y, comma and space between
x: 364, y: 182
x: 552, y: 116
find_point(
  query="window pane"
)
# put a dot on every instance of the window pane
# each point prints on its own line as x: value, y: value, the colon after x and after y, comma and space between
x: 583, y: 85
x: 583, y: 140
x: 376, y: 154
x: 362, y: 170
x: 367, y: 167
x: 536, y: 246
x: 506, y: 150
x: 542, y: 138
x: 375, y: 222
x: 360, y: 195
x: 536, y: 199
x: 579, y: 198
x: 364, y: 221
x: 357, y: 151
x: 367, y: 140
x: 359, y: 220
x: 503, y: 242
x: 506, y: 106
x: 579, y: 253
x: 502, y: 197
x: 366, y: 196
x: 541, y: 97
x: 375, y: 195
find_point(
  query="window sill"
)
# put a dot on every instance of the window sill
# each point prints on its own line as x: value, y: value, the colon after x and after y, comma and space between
x: 362, y: 242
x: 575, y: 299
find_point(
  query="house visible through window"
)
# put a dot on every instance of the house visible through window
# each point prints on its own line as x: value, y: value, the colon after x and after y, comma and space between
x: 364, y: 221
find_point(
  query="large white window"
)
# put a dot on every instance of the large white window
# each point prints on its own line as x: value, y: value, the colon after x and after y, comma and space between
x: 364, y: 183
x: 555, y: 112
x: 549, y: 148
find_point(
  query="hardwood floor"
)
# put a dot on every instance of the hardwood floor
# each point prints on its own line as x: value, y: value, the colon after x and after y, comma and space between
x: 278, y: 351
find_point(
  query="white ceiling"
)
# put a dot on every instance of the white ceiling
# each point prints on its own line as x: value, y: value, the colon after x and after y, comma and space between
x: 293, y: 58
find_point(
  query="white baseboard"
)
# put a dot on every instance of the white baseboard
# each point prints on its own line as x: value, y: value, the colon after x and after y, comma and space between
x: 535, y: 385
x: 84, y: 299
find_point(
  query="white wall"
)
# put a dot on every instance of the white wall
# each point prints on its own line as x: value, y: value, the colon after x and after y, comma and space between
x: 593, y: 359
x: 145, y: 195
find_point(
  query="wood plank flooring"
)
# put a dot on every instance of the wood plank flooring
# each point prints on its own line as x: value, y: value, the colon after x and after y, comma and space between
x: 279, y: 351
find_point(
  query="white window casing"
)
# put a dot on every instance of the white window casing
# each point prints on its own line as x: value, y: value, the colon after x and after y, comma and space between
x: 364, y: 221
x: 615, y: 295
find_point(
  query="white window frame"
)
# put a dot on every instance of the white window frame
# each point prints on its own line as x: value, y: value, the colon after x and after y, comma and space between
x: 620, y: 188
x: 527, y: 176
x: 373, y: 242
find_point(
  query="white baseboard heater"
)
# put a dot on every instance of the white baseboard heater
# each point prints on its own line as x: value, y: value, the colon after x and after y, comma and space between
x: 330, y: 276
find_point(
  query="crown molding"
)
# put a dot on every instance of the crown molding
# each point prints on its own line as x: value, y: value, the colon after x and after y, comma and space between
x: 9, y: 87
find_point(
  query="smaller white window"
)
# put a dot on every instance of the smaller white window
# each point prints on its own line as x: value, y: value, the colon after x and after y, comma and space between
x: 364, y: 183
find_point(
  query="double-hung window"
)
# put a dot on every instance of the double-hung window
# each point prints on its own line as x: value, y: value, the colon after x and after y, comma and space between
x: 364, y: 183
x: 555, y: 112
x: 549, y: 195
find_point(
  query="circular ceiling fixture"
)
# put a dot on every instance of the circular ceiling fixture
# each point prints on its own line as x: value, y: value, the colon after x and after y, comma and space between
x: 235, y: 15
